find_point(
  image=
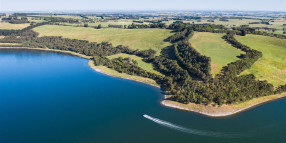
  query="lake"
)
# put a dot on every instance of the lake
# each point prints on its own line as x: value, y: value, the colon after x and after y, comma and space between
x: 48, y: 97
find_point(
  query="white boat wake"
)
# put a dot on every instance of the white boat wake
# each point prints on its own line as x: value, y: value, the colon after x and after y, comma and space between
x: 191, y: 131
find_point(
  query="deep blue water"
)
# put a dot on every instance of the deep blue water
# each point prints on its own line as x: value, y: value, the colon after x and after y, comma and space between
x: 48, y: 97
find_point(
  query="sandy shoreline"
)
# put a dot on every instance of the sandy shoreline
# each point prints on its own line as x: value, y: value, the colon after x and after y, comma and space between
x: 224, y: 110
x: 217, y: 111
x: 97, y: 69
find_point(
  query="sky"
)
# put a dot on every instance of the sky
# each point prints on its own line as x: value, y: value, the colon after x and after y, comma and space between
x: 97, y: 5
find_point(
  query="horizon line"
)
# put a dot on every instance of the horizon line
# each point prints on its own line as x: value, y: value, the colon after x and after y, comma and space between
x: 134, y: 10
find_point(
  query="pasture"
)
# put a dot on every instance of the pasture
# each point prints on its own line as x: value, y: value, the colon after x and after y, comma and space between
x: 272, y: 66
x: 6, y: 25
x: 212, y: 45
x: 141, y: 39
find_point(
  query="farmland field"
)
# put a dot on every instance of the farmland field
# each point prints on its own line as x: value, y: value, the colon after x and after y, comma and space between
x: 229, y: 23
x: 212, y: 45
x: 272, y: 66
x: 141, y: 39
x: 5, y: 25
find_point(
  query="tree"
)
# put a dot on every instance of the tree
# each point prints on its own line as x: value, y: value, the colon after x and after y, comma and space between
x: 243, y: 33
x: 98, y: 27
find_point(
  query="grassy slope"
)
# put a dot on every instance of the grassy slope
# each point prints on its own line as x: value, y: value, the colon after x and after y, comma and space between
x: 5, y: 25
x: 134, y: 38
x: 146, y: 66
x: 213, y: 46
x: 272, y: 66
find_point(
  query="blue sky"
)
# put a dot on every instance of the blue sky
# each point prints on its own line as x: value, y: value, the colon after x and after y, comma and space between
x: 51, y: 5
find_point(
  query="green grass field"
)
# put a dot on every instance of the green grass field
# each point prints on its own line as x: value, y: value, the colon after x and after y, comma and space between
x: 141, y: 63
x: 1, y: 44
x: 212, y: 45
x: 230, y: 23
x: 5, y: 25
x: 272, y: 66
x: 141, y: 39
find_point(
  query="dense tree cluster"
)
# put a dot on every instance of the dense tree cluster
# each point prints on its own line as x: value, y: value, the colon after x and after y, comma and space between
x: 60, y: 19
x: 152, y: 25
x: 176, y: 76
x: 178, y: 27
x: 280, y: 89
x: 78, y: 46
x: 115, y: 26
x: 249, y: 30
x: 144, y: 53
x: 126, y: 65
x: 180, y: 36
x: 19, y: 21
x: 6, y: 32
x: 226, y: 87
x: 196, y: 64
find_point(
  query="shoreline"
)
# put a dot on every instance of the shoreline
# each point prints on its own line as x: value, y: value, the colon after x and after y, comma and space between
x: 132, y: 78
x: 209, y: 110
x: 51, y: 50
x: 91, y: 64
x: 223, y: 110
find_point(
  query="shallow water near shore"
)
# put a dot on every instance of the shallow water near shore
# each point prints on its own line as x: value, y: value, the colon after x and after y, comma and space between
x: 48, y: 97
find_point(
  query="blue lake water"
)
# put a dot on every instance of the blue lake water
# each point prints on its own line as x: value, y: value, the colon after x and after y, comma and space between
x: 47, y: 97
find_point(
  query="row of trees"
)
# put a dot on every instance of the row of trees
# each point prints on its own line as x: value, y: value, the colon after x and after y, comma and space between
x: 248, y: 30
x: 196, y: 64
x: 19, y: 21
x: 152, y: 25
x: 144, y: 53
x: 60, y: 19
x: 78, y: 46
x: 6, y: 32
x: 175, y: 75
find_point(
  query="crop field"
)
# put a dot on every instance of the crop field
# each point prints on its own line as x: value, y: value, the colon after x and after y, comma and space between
x: 272, y: 66
x: 141, y: 39
x: 212, y: 45
x: 229, y: 23
x: 141, y: 63
x: 5, y: 25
